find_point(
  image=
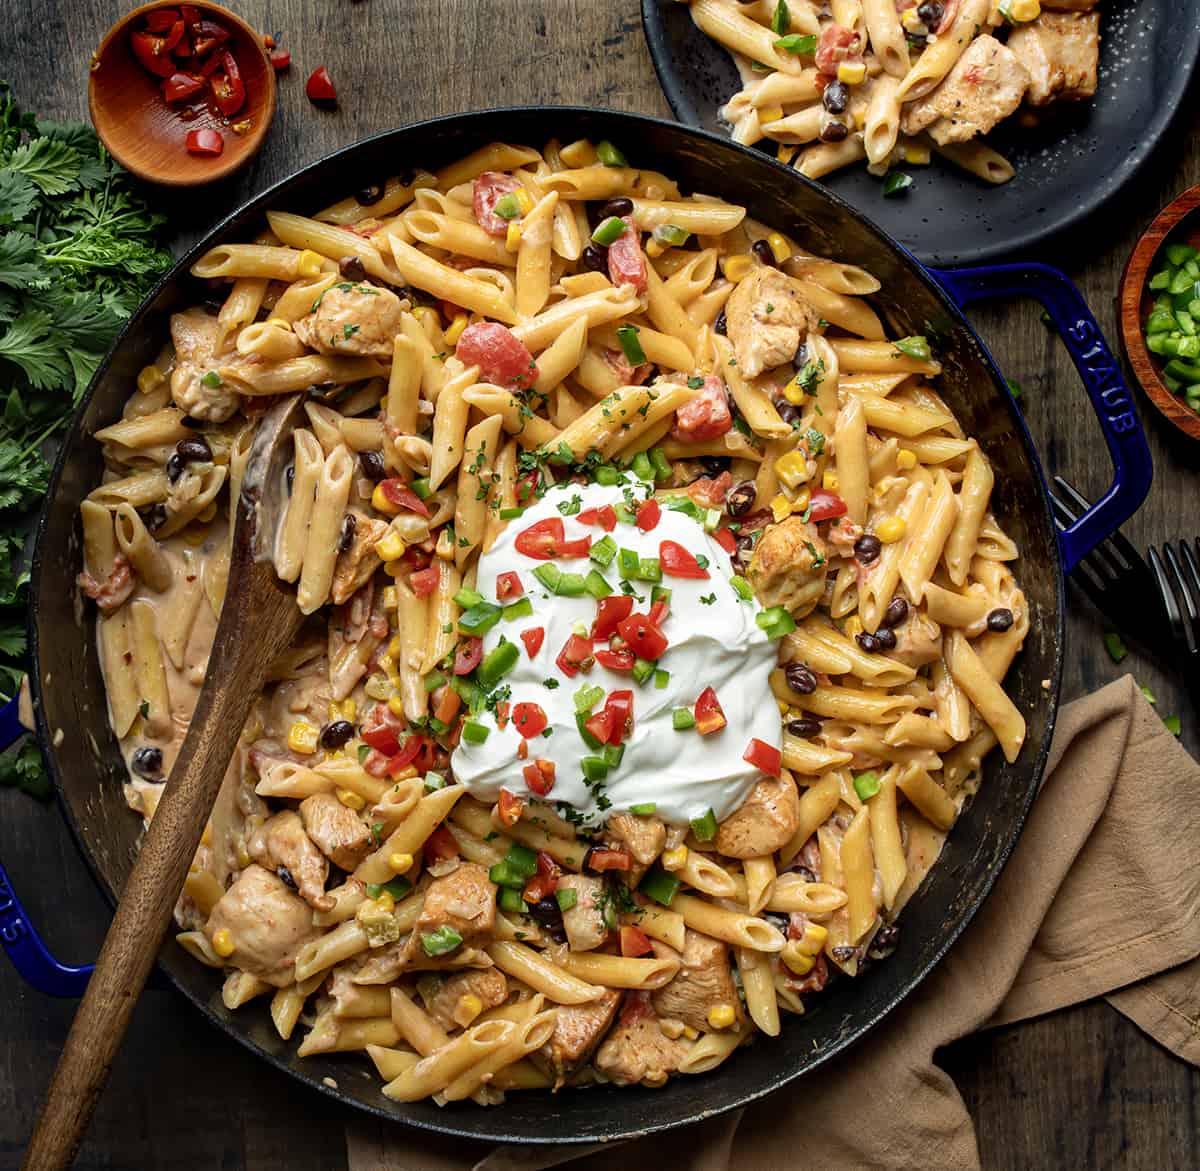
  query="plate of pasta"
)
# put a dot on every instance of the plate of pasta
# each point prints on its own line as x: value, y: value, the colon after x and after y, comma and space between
x: 683, y: 622
x: 970, y: 130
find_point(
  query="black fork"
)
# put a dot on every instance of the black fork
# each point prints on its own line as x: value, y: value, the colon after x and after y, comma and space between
x: 1177, y: 575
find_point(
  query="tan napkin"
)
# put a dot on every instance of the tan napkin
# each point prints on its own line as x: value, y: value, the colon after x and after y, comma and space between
x: 1100, y: 898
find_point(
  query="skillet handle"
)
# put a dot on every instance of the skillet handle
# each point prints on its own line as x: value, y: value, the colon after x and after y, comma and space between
x: 1102, y: 379
x: 24, y: 946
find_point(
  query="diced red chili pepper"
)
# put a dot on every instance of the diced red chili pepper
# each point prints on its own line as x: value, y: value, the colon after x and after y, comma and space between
x: 533, y: 639
x: 228, y: 89
x: 704, y: 416
x: 152, y: 53
x: 619, y: 706
x: 643, y: 637
x: 539, y: 887
x: 575, y: 656
x: 599, y: 859
x: 726, y: 540
x: 709, y: 716
x: 161, y: 19
x: 649, y: 513
x: 440, y: 846
x: 488, y: 189
x: 508, y: 585
x: 179, y: 86
x: 400, y: 495
x: 678, y: 562
x: 764, y: 757
x: 502, y: 715
x: 542, y: 539
x: 609, y: 613
x: 635, y: 942
x: 279, y: 58
x: 381, y: 729
x: 446, y: 702
x: 425, y: 581
x: 502, y: 358
x: 319, y: 87
x: 825, y: 505
x: 539, y: 776
x: 467, y: 655
x: 615, y: 660
x: 658, y: 612
x: 529, y: 719
x: 509, y: 806
x: 204, y: 142
x: 605, y: 517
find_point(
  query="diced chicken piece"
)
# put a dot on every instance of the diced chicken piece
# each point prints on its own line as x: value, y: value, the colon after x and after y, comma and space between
x: 577, y: 1031
x: 918, y: 640
x: 765, y: 821
x: 766, y: 317
x: 465, y: 900
x: 357, y: 319
x: 637, y: 1050
x: 704, y: 981
x: 111, y: 593
x: 385, y: 964
x: 267, y: 925
x: 1061, y: 51
x: 584, y: 922
x: 358, y: 561
x: 986, y: 84
x: 195, y: 335
x: 281, y: 843
x: 788, y: 566
x: 643, y: 837
x: 488, y: 986
x: 339, y: 833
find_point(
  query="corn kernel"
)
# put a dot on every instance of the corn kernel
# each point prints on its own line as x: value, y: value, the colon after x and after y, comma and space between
x: 859, y: 116
x: 917, y: 153
x: 852, y: 72
x: 671, y: 1028
x: 829, y: 481
x: 400, y: 863
x: 792, y: 469
x: 779, y: 246
x: 911, y: 22
x: 350, y: 800
x: 381, y: 502
x: 783, y: 708
x: 794, y: 392
x: 781, y: 507
x: 308, y: 263
x: 785, y: 153
x: 690, y: 1033
x: 795, y: 959
x: 206, y: 836
x: 769, y: 114
x: 427, y: 313
x: 524, y: 200
x: 222, y: 943
x: 906, y: 459
x: 802, y: 499
x: 385, y: 902
x: 853, y: 627
x: 396, y: 706
x: 150, y: 379
x: 387, y: 664
x: 455, y: 328
x: 347, y: 709
x: 302, y: 737
x: 280, y: 323
x: 1021, y: 11
x: 391, y: 546
x: 391, y: 599
x: 721, y: 1016
x: 469, y: 1006
x: 813, y: 941
x: 393, y: 568
x: 395, y: 648
x: 654, y: 248
x: 675, y: 859
x: 512, y: 238
x: 891, y: 529
x: 738, y: 267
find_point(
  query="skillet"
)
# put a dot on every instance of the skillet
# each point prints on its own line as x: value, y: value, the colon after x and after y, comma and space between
x: 87, y: 769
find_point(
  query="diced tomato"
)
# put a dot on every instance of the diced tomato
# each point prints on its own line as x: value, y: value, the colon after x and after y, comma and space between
x: 418, y: 556
x: 600, y: 859
x: 709, y: 492
x: 400, y: 495
x: 825, y: 505
x: 467, y: 655
x: 709, y: 716
x: 425, y: 581
x: 522, y: 749
x: 279, y: 58
x: 381, y: 729
x: 152, y: 53
x: 547, y: 866
x: 501, y: 356
x: 533, y: 639
x: 575, y: 656
x: 528, y: 486
x: 508, y: 585
x: 837, y: 44
x: 319, y: 87
x: 446, y: 702
x: 539, y: 887
x: 659, y: 611
x: 541, y: 540
x: 706, y: 415
x: 605, y: 517
x: 190, y: 14
x: 643, y: 637
x: 620, y: 707
x: 635, y: 942
x: 609, y: 613
x: 408, y: 753
x: 440, y: 846
x: 509, y: 806
x: 502, y: 715
x: 678, y: 562
x: 204, y: 142
x: 615, y: 660
x: 179, y: 86
x: 539, y: 776
x: 763, y: 756
x: 626, y: 260
x: 600, y: 725
x: 207, y: 35
x: 649, y: 513
x: 489, y: 188
x: 161, y: 19
x: 726, y: 540
x: 529, y: 719
x: 229, y: 91
x: 376, y: 763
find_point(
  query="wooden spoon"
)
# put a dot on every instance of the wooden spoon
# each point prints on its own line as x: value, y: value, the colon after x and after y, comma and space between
x: 258, y: 621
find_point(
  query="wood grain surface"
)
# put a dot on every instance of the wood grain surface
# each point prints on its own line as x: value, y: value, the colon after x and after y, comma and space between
x: 1081, y: 1088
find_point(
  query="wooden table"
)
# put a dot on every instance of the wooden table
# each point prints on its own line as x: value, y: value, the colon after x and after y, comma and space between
x: 1082, y: 1088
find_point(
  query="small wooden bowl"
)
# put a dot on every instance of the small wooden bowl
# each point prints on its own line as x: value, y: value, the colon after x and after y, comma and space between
x: 1174, y: 224
x: 145, y: 135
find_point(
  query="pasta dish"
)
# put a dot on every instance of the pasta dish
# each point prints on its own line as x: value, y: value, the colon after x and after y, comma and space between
x: 657, y: 622
x: 892, y: 81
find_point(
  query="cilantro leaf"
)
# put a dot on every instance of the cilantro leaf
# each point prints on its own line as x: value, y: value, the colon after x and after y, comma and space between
x: 49, y: 162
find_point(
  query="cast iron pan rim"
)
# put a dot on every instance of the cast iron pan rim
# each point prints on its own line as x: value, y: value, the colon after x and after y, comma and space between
x: 267, y: 199
x: 1070, y: 216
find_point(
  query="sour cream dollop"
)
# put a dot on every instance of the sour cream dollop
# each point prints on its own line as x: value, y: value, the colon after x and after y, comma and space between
x: 714, y: 642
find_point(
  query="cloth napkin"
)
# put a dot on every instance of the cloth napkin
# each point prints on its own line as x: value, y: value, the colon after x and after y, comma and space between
x: 1100, y: 898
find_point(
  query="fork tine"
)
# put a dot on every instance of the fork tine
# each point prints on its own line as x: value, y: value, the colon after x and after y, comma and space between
x: 1062, y: 514
x: 1185, y: 594
x: 1174, y: 618
x: 1072, y: 493
x: 1091, y: 587
x: 1115, y: 542
x: 1192, y: 578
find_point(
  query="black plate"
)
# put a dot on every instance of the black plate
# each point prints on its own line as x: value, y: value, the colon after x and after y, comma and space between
x: 1066, y: 171
x: 87, y: 768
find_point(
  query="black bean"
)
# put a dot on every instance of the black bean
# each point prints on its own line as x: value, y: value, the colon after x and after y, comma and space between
x: 721, y: 325
x: 762, y: 250
x: 740, y: 498
x: 371, y: 463
x: 834, y: 131
x: 346, y: 533
x: 407, y: 176
x: 175, y: 467
x: 595, y: 258
x: 804, y: 726
x: 290, y: 477
x: 547, y: 914
x: 844, y: 954
x: 155, y: 516
x: 352, y: 268
x: 368, y: 195
x: 885, y: 639
x: 868, y: 642
x: 616, y: 207
x: 212, y: 307
x: 1000, y: 620
x: 835, y: 98
x: 335, y: 734
x: 147, y: 762
x: 745, y: 550
x: 194, y: 449
x: 867, y: 548
x: 884, y: 942
x: 285, y: 876
x: 801, y: 358
x: 789, y: 412
x: 714, y: 465
x: 800, y: 678
x: 192, y: 423
x: 931, y: 15
x: 895, y: 613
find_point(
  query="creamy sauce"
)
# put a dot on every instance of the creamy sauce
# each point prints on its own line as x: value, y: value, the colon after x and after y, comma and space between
x: 714, y: 642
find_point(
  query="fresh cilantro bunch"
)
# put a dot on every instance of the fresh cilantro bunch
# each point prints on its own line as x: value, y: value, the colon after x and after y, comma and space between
x: 79, y: 248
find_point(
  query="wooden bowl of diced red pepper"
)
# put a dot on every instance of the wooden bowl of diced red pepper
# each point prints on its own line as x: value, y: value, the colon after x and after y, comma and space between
x: 182, y: 94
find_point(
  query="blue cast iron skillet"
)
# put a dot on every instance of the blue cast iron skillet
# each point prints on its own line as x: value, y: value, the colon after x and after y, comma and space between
x: 88, y: 771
